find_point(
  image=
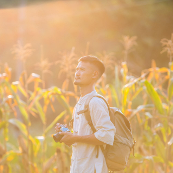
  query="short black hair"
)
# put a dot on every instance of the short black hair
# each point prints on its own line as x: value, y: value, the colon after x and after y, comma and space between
x: 95, y: 61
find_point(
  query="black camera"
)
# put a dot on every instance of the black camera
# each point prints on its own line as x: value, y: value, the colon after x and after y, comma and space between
x: 57, y: 137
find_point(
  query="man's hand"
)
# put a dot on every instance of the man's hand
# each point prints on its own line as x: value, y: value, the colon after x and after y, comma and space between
x: 68, y: 138
x: 58, y: 127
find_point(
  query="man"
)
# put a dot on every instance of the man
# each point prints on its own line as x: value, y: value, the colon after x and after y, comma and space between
x: 83, y: 140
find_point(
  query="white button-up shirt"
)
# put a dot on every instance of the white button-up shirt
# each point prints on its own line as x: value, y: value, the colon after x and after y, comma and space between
x: 84, y: 155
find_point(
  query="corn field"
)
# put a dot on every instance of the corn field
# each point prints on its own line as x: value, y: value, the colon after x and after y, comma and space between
x: 145, y: 100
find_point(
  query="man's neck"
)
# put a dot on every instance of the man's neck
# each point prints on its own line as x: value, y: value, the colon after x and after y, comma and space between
x: 86, y: 89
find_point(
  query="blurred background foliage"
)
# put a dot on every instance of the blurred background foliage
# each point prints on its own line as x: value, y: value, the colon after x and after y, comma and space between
x: 60, y: 25
x: 41, y: 42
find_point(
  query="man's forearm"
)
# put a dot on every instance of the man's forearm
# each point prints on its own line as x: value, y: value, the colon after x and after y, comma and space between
x: 89, y: 139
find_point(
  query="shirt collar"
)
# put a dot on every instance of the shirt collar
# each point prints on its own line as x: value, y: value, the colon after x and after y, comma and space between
x: 82, y: 99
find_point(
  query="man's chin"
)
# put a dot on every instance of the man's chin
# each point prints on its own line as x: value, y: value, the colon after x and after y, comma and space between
x: 76, y: 83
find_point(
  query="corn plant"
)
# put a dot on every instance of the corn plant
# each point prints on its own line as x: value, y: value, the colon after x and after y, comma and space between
x: 29, y: 151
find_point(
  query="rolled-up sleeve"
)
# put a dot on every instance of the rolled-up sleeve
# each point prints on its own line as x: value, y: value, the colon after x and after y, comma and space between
x: 105, y: 130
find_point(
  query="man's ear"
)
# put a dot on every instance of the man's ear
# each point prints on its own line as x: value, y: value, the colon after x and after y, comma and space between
x: 95, y: 74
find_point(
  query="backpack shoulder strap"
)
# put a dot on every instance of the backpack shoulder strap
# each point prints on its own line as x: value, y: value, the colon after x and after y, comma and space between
x: 88, y: 116
x: 89, y: 120
x: 100, y: 96
x: 87, y: 112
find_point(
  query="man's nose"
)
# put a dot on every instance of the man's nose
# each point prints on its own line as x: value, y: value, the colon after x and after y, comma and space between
x: 77, y: 73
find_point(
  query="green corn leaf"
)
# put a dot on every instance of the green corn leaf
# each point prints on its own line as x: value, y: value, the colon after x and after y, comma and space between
x: 33, y: 94
x: 19, y: 124
x: 154, y: 96
x: 62, y: 100
x: 170, y: 89
x: 9, y: 156
x: 171, y: 109
x: 161, y: 94
x: 163, y: 131
x: 170, y: 141
x: 22, y: 90
x: 170, y: 164
x: 125, y: 95
x: 5, y: 132
x: 54, y: 122
x: 159, y: 146
x: 158, y: 126
x: 36, y: 146
x: 103, y: 92
x: 24, y: 113
x: 21, y: 127
x: 137, y: 93
x: 2, y: 124
x: 158, y: 159
x: 148, y: 114
x: 150, y: 158
x: 34, y: 110
x: 134, y: 166
x: 117, y: 81
x: 115, y: 96
x: 40, y: 111
x: 19, y: 102
x: 1, y: 114
x: 142, y: 107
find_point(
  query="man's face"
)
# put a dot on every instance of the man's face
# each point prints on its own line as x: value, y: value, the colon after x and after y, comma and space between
x: 85, y: 74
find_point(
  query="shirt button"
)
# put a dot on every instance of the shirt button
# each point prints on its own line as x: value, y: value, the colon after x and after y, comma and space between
x: 74, y: 145
x: 75, y: 131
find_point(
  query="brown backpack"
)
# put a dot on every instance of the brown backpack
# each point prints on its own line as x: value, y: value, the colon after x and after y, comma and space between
x: 118, y: 154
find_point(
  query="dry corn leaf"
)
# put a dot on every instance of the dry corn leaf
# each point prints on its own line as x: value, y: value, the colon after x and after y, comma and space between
x: 49, y: 163
x: 2, y: 151
x: 22, y: 144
